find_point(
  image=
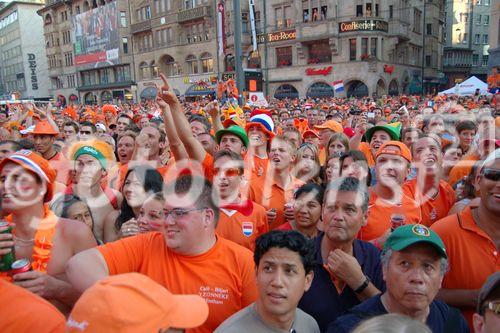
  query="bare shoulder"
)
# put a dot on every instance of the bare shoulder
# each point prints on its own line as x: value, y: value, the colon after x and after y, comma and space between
x: 75, y: 233
x: 119, y: 197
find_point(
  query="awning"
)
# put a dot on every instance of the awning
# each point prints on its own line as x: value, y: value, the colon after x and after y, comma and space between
x: 149, y: 93
x: 197, y: 90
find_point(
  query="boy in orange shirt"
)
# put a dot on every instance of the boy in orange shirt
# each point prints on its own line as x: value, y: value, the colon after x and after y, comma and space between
x: 241, y: 220
x: 276, y: 188
x: 186, y: 257
x: 389, y: 207
x: 434, y: 196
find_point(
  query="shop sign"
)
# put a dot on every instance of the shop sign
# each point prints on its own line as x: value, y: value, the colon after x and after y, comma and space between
x: 319, y: 71
x: 364, y: 25
x: 278, y: 36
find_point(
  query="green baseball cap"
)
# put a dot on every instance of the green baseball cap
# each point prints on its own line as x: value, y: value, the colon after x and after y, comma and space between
x: 393, y: 129
x: 235, y: 130
x: 410, y: 234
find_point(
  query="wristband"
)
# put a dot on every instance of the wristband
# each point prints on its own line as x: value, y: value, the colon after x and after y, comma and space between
x: 362, y: 288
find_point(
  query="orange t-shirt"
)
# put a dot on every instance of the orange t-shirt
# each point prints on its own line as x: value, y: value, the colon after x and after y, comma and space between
x: 267, y: 193
x: 224, y: 275
x: 241, y: 229
x: 23, y: 311
x: 257, y: 165
x: 365, y: 149
x: 322, y: 156
x: 462, y: 169
x: 472, y: 254
x: 433, y: 209
x: 380, y: 212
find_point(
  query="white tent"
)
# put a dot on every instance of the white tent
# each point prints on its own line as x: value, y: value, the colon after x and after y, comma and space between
x: 468, y: 87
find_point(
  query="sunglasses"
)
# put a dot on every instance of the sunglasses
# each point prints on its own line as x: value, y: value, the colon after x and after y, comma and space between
x: 493, y: 306
x: 232, y: 172
x: 491, y: 174
x: 85, y: 132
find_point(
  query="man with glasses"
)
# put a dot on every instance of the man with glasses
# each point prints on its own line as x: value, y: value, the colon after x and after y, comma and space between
x: 472, y: 239
x: 186, y: 257
x: 87, y: 131
x: 487, y: 316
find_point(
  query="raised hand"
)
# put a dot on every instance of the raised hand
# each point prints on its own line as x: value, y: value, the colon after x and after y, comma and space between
x: 165, y: 93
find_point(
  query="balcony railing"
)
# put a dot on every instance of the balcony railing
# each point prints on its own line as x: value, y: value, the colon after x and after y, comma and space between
x: 140, y: 27
x: 194, y: 13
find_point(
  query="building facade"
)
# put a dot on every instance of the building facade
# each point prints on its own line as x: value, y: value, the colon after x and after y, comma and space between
x: 89, y: 50
x: 23, y: 66
x: 494, y: 50
x: 467, y: 39
x: 177, y: 38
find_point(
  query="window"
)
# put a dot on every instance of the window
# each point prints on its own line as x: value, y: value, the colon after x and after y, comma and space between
x: 257, y: 22
x: 319, y: 52
x: 376, y: 10
x: 288, y: 16
x: 125, y: 45
x: 278, y: 18
x: 475, y: 59
x: 359, y: 10
x: 486, y: 19
x: 104, y: 76
x: 154, y: 69
x: 478, y: 19
x: 123, y: 19
x: 171, y: 67
x: 352, y: 49
x: 417, y: 17
x: 122, y: 73
x: 478, y: 2
x: 391, y: 11
x: 428, y: 60
x: 464, y: 17
x: 466, y: 38
x: 373, y: 47
x: 477, y: 39
x: 192, y: 64
x: 486, y: 2
x: 207, y: 63
x: 368, y: 9
x: 283, y: 17
x: 485, y: 60
x: 68, y: 59
x: 364, y: 48
x: 284, y: 56
x: 143, y: 71
x: 428, y: 29
x: 244, y: 23
x: 485, y: 39
x: 324, y: 12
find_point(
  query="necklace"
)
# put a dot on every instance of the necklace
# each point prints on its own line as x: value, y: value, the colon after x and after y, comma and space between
x: 26, y: 241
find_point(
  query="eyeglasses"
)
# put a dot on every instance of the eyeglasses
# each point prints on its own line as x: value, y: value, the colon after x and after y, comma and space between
x: 231, y: 172
x: 85, y: 132
x: 491, y: 174
x: 493, y: 306
x: 177, y: 213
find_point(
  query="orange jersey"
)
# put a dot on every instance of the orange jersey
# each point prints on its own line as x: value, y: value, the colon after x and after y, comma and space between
x: 365, y: 149
x: 257, y: 165
x: 224, y: 275
x: 472, y: 254
x: 243, y: 229
x: 380, y: 213
x: 267, y: 193
x: 433, y: 209
x: 462, y: 168
x: 23, y: 311
x: 322, y: 156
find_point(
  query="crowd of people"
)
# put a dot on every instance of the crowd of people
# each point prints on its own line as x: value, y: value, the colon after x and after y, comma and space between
x: 375, y: 214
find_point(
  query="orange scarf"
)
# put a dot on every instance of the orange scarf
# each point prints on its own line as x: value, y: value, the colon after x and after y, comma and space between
x: 42, y: 246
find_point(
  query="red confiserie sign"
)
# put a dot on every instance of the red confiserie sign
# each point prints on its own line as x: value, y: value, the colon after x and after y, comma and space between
x: 319, y: 71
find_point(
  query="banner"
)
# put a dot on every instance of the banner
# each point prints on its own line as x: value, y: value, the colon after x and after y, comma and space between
x: 252, y: 24
x: 257, y: 99
x: 96, y: 36
x: 221, y: 30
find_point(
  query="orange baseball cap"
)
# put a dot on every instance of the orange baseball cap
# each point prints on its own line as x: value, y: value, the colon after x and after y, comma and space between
x: 331, y: 125
x: 310, y: 133
x: 36, y: 164
x: 133, y: 303
x: 44, y: 127
x: 395, y: 148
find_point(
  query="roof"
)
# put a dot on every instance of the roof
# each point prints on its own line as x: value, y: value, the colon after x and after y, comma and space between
x: 9, y: 5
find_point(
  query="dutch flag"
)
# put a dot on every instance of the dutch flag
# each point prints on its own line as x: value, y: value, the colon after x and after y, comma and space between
x: 338, y: 86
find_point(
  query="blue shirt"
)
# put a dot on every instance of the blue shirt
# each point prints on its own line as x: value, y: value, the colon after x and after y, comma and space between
x: 322, y: 301
x: 372, y: 307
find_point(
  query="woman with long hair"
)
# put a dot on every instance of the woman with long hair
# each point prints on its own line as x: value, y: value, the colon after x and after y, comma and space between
x: 307, y: 165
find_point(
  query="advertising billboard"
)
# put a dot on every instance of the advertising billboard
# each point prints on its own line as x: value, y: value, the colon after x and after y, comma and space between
x: 96, y: 37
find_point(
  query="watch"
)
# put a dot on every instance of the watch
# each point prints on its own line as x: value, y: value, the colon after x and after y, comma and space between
x: 362, y: 288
